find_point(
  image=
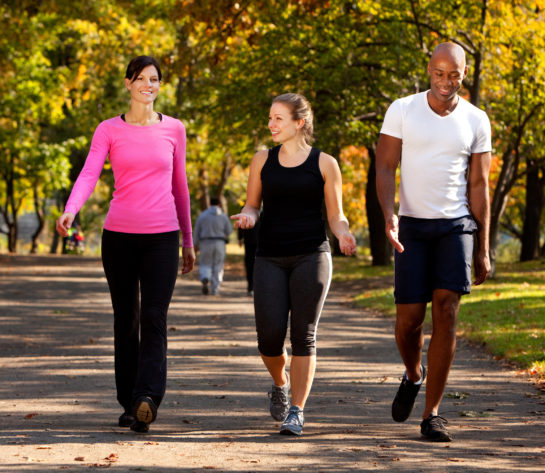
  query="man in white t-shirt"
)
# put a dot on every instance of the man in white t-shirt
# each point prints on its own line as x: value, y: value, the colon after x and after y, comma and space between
x: 443, y: 145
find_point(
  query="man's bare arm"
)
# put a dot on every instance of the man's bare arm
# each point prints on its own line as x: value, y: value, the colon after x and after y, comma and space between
x: 388, y: 159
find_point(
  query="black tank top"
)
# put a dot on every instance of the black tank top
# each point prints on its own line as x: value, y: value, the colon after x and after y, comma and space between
x: 291, y: 220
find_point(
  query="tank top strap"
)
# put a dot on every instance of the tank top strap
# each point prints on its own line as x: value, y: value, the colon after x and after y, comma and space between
x: 273, y: 154
x: 273, y: 159
x: 314, y: 157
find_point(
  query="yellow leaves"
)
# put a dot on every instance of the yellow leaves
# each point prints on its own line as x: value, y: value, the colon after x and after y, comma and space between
x: 354, y: 162
x: 7, y: 124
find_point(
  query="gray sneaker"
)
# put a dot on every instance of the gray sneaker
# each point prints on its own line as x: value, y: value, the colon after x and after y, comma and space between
x: 433, y: 428
x: 293, y: 425
x: 279, y: 404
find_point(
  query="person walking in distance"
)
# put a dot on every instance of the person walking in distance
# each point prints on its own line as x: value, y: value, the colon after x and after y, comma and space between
x: 248, y: 238
x: 140, y: 240
x: 292, y: 269
x: 212, y: 231
x: 443, y: 145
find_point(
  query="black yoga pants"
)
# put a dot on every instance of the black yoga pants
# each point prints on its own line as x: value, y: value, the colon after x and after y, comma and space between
x: 141, y: 270
x: 290, y: 288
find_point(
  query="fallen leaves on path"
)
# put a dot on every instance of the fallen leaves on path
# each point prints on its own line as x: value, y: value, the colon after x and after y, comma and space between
x: 474, y: 414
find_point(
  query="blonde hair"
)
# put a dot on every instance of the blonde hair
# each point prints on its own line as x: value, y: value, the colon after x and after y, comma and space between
x: 300, y: 110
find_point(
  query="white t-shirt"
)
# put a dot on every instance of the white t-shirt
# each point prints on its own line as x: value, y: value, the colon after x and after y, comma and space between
x: 435, y: 152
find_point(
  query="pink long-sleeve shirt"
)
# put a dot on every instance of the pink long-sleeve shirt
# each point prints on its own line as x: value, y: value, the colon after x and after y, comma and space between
x: 148, y: 162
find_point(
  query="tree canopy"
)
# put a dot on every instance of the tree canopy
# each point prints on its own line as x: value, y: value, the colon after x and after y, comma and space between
x: 224, y: 61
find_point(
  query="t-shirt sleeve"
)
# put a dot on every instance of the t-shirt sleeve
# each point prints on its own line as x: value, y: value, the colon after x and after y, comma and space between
x: 180, y: 189
x: 88, y: 177
x: 483, y: 138
x: 392, y: 124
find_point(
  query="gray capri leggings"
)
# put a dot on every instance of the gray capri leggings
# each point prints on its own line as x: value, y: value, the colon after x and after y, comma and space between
x: 296, y: 284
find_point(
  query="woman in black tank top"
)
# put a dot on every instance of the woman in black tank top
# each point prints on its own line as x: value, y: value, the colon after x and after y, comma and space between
x: 292, y: 269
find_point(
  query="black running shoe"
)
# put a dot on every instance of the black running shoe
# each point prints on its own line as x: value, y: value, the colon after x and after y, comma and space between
x: 126, y: 420
x: 145, y: 412
x: 140, y: 427
x: 205, y: 290
x: 406, y: 394
x: 433, y: 428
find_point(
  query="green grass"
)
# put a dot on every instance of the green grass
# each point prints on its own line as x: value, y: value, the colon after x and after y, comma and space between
x: 506, y: 314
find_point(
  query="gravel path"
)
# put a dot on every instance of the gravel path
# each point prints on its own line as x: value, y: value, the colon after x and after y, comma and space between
x: 58, y: 408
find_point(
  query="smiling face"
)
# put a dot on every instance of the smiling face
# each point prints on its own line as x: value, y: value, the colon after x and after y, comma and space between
x: 447, y: 69
x: 145, y: 86
x: 281, y: 123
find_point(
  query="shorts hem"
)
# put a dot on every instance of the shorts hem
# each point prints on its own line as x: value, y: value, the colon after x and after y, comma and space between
x: 411, y: 300
x: 428, y: 298
x: 271, y: 354
x: 461, y: 290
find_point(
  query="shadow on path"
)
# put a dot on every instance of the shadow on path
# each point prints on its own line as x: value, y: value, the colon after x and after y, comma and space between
x: 58, y: 408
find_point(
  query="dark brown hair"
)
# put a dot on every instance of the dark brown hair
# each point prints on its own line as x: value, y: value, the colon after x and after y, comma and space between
x: 138, y: 63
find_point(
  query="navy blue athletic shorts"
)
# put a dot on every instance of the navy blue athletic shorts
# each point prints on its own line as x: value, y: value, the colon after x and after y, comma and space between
x: 438, y: 255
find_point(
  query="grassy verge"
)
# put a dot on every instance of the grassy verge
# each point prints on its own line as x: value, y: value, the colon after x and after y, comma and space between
x: 506, y: 314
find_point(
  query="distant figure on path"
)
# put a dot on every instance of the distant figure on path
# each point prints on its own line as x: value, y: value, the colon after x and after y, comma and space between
x: 248, y: 238
x: 140, y: 240
x: 293, y: 263
x: 212, y: 231
x: 443, y: 144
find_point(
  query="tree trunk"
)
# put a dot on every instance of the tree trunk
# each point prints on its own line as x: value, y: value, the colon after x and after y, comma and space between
x: 40, y: 215
x: 12, y: 237
x: 532, y: 213
x: 54, y: 243
x: 381, y: 250
x: 499, y: 201
x: 9, y: 211
x: 204, y: 200
x: 60, y: 198
x: 225, y: 173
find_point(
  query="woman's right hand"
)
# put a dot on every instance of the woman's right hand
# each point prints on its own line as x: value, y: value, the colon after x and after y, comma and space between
x: 243, y: 220
x: 64, y: 222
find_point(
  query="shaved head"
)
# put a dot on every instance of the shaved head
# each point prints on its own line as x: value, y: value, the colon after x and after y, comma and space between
x: 451, y: 51
x: 447, y: 69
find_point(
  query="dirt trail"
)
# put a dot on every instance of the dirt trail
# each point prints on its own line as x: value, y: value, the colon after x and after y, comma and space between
x: 58, y: 408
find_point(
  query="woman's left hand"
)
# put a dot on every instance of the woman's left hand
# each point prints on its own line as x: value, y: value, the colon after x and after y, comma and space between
x: 347, y: 243
x: 188, y: 259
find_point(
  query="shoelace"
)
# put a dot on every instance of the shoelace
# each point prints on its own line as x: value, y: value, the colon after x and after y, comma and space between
x: 437, y: 421
x: 293, y: 418
x: 278, y: 395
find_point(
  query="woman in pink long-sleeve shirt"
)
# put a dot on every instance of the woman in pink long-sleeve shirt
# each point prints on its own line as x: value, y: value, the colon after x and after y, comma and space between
x: 140, y: 240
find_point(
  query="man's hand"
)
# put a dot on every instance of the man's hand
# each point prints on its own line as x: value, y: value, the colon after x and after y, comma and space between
x: 392, y: 232
x: 482, y: 267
